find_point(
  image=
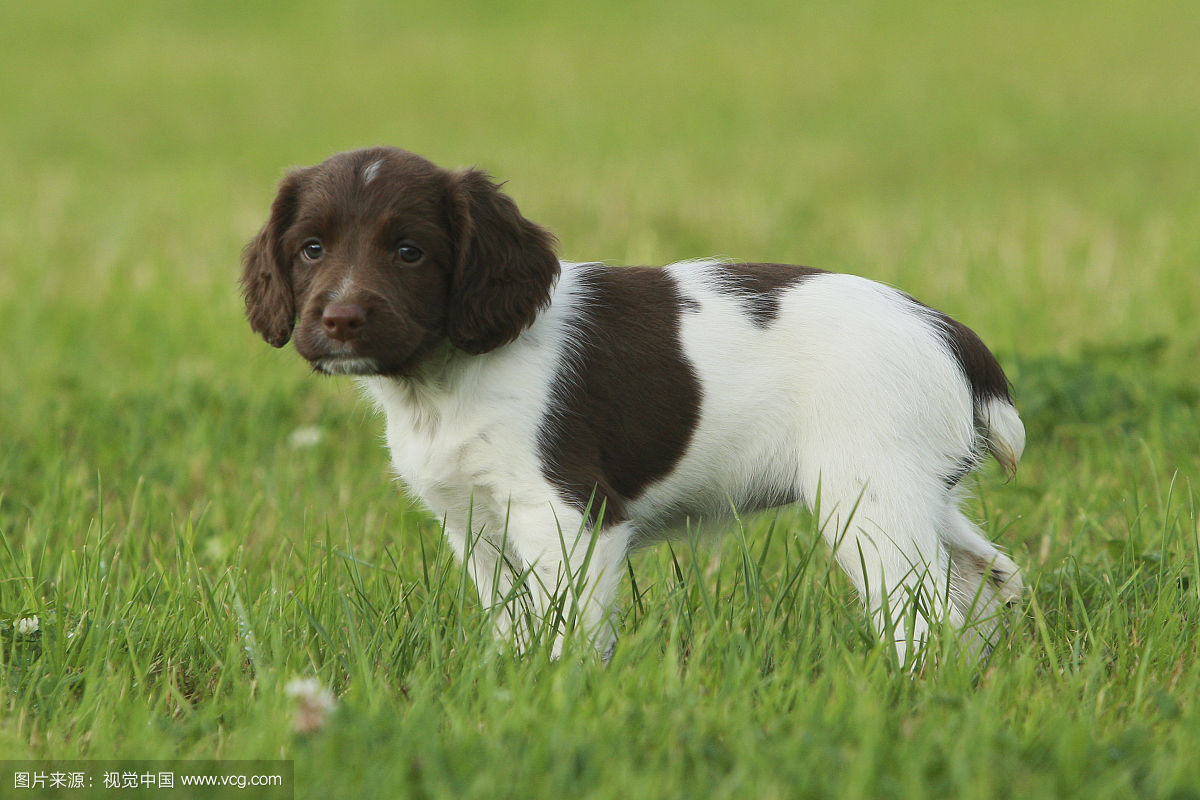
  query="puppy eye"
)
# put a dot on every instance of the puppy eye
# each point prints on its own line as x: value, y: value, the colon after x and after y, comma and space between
x: 312, y: 250
x: 409, y: 253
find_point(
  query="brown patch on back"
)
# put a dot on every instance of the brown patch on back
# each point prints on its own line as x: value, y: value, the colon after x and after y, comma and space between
x: 625, y: 405
x: 979, y: 365
x: 983, y: 371
x: 758, y: 286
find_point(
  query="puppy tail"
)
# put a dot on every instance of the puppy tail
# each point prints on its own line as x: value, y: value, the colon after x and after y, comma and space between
x: 996, y: 419
x: 1002, y: 431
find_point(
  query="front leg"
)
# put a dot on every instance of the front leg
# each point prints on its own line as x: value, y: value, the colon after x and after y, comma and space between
x: 573, y: 572
x: 493, y: 567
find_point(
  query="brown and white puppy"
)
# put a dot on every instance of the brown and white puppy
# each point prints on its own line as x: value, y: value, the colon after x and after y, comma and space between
x: 556, y: 414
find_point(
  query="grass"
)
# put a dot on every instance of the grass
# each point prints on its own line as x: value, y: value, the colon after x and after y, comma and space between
x: 1030, y: 168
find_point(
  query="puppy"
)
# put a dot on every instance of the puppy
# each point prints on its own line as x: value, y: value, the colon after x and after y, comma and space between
x: 556, y: 415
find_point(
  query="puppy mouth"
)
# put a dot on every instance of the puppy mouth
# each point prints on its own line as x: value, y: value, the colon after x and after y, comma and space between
x: 346, y: 365
x: 362, y: 356
x: 331, y: 357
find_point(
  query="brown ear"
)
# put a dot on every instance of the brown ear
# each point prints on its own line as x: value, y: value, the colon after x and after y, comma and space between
x: 266, y: 269
x: 504, y: 269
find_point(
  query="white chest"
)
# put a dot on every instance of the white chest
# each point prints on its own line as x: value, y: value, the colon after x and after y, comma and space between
x: 466, y: 454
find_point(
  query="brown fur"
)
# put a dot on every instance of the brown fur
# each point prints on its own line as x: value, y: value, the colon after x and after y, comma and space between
x: 626, y: 407
x: 484, y: 274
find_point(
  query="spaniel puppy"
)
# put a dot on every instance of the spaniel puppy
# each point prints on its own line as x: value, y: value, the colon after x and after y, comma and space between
x: 556, y: 415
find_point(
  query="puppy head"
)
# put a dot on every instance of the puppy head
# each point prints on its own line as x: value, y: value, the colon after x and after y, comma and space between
x: 374, y: 258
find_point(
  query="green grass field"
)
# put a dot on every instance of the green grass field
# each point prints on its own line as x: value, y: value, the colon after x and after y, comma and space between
x: 1031, y: 168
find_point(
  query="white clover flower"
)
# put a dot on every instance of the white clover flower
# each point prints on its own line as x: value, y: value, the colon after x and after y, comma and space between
x: 305, y: 437
x: 313, y: 704
x: 28, y: 625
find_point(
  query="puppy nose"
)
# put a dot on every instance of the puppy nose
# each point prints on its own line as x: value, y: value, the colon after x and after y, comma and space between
x: 343, y: 321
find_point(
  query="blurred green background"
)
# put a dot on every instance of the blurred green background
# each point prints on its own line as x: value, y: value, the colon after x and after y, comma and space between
x: 1003, y: 160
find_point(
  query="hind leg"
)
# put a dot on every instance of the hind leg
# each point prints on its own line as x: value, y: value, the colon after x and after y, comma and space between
x: 983, y: 580
x: 883, y: 532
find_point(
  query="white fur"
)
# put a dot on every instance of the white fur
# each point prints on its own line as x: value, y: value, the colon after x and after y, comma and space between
x: 850, y: 396
x: 371, y: 171
x: 345, y: 288
x: 1006, y: 434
